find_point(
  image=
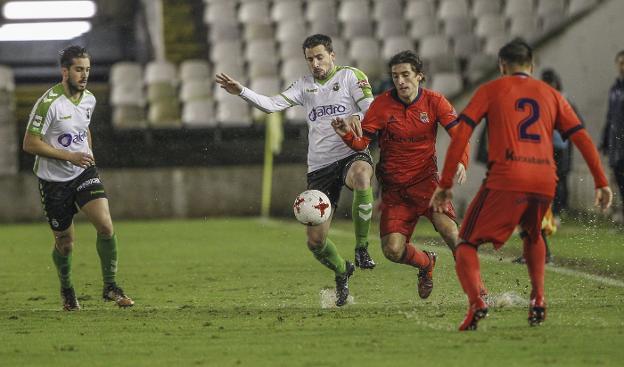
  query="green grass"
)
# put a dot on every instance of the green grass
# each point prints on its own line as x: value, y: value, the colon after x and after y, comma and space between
x: 245, y: 292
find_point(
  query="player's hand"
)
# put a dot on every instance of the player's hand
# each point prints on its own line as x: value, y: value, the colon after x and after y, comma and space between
x: 353, y: 122
x: 460, y: 174
x: 229, y: 84
x: 340, y: 126
x: 440, y: 199
x: 81, y: 159
x: 604, y: 197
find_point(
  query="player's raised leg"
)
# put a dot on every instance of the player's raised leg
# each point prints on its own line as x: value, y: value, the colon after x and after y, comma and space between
x: 358, y: 178
x: 98, y: 213
x: 62, y: 258
x: 325, y: 251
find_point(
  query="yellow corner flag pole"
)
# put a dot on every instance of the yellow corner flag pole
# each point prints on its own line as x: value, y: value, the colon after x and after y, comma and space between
x: 272, y: 145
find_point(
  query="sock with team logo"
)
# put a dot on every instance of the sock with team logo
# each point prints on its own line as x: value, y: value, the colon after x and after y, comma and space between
x: 63, y: 268
x: 107, y: 250
x: 361, y: 212
x: 328, y: 256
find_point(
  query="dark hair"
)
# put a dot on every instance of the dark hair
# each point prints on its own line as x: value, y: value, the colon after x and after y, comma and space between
x: 407, y: 57
x: 619, y: 54
x: 516, y: 52
x: 318, y: 39
x: 68, y: 54
x: 551, y: 77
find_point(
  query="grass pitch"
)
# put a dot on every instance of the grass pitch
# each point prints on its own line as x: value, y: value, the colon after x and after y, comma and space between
x: 247, y: 292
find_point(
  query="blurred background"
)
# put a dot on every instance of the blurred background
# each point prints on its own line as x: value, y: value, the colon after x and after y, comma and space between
x: 170, y: 144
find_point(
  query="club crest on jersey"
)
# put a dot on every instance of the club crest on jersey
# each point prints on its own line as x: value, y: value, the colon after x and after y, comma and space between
x: 424, y: 118
x: 336, y: 87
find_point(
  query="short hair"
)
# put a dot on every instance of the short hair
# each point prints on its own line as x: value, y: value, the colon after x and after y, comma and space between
x: 516, y: 52
x: 68, y: 54
x: 619, y: 54
x: 407, y: 57
x: 551, y: 77
x: 318, y: 39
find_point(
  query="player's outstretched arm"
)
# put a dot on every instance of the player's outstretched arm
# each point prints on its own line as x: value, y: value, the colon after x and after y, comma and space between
x: 230, y: 85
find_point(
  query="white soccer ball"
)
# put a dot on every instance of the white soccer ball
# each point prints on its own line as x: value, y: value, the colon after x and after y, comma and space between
x: 312, y: 207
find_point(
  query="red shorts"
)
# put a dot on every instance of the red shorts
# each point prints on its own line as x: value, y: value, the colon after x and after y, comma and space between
x: 402, y: 207
x: 494, y: 214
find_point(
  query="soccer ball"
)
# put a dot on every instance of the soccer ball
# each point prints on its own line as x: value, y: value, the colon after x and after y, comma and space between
x: 312, y: 208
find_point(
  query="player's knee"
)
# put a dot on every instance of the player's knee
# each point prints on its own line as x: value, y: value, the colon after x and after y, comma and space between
x: 105, y: 229
x: 393, y: 251
x: 64, y: 243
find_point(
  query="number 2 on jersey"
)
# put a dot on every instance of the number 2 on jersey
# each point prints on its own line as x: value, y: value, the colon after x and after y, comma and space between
x: 531, y: 105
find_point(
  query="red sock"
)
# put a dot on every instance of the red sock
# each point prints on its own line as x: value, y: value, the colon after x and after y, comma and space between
x: 535, y: 255
x: 468, y: 271
x: 414, y: 257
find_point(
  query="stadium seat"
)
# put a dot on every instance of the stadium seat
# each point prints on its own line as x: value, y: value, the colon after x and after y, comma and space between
x: 482, y: 7
x: 479, y: 66
x: 198, y: 113
x: 494, y: 43
x: 224, y: 31
x: 465, y: 45
x: 349, y: 10
x: 194, y: 69
x: 289, y: 29
x: 390, y: 28
x: 545, y: 7
x: 448, y: 84
x: 434, y: 45
x: 356, y: 28
x: 579, y: 6
x: 160, y: 71
x: 525, y: 26
x: 127, y: 94
x: 423, y: 26
x: 254, y: 12
x: 287, y: 10
x: 226, y: 51
x: 292, y: 69
x: 157, y: 91
x: 233, y: 112
x: 393, y: 45
x: 419, y: 9
x: 387, y: 10
x: 328, y: 26
x: 261, y: 49
x: 451, y: 9
x: 320, y: 9
x: 222, y: 11
x: 129, y: 117
x: 256, y: 31
x: 164, y: 113
x: 457, y: 26
x: 490, y: 25
x: 192, y: 90
x: 519, y: 7
x: 126, y: 72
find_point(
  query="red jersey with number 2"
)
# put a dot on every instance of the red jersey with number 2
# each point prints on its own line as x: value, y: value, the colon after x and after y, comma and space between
x: 521, y: 113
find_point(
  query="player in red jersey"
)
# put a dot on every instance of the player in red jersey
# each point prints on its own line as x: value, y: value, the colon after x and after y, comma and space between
x: 520, y: 184
x: 406, y: 119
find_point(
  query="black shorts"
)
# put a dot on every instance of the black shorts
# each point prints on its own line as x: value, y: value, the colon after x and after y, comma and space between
x: 330, y: 179
x: 61, y: 200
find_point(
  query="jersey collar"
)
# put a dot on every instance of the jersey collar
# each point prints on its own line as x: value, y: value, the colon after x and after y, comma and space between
x: 330, y: 75
x: 395, y: 95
